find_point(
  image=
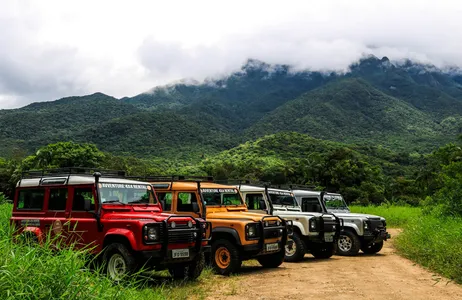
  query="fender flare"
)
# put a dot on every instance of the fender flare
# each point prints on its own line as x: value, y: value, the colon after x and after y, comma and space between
x: 231, y: 231
x: 128, y: 234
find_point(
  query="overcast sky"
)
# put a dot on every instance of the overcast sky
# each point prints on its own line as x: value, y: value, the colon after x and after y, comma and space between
x: 53, y: 49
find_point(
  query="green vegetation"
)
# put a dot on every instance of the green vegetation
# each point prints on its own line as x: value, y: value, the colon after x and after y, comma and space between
x: 396, y: 216
x: 40, y: 272
x: 434, y: 242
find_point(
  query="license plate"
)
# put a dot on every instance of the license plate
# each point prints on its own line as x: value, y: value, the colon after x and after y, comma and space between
x: 272, y: 247
x: 180, y: 253
x: 328, y: 238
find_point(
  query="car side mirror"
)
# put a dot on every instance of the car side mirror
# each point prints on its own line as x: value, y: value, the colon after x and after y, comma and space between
x: 195, y: 207
x: 262, y: 204
x: 87, y: 204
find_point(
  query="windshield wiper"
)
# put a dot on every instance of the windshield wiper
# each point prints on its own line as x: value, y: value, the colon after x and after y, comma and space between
x: 138, y: 202
x: 114, y: 201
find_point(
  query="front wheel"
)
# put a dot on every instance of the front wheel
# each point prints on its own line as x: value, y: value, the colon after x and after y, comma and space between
x: 225, y: 257
x: 348, y: 244
x: 189, y: 271
x: 323, y: 251
x: 119, y: 261
x: 372, y: 248
x: 272, y: 260
x: 294, y: 249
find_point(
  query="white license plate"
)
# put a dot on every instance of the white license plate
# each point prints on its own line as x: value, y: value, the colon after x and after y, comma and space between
x: 328, y: 238
x: 180, y: 253
x: 272, y: 247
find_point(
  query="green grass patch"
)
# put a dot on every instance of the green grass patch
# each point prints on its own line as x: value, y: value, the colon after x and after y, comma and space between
x: 434, y: 243
x: 39, y: 272
x: 396, y: 216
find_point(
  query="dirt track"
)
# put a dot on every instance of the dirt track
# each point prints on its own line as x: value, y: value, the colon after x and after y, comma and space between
x: 382, y: 276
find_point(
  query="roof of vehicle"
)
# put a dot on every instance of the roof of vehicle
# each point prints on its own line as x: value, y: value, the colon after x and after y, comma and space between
x: 188, y: 185
x: 253, y: 188
x: 310, y: 193
x: 72, y: 180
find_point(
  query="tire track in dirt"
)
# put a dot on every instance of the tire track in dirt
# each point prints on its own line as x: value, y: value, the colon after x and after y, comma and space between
x: 382, y: 276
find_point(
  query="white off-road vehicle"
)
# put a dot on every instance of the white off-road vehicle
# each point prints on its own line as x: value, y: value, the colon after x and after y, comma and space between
x: 360, y: 231
x: 313, y: 232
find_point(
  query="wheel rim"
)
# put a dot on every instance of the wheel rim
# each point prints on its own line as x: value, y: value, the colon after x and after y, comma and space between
x: 222, y: 257
x: 345, y: 243
x: 117, y: 267
x: 291, y: 247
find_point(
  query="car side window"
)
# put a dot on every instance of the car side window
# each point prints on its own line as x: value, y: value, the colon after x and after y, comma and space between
x: 166, y: 199
x: 80, y: 195
x: 31, y: 199
x: 185, y: 201
x: 311, y: 204
x: 253, y: 201
x: 57, y: 199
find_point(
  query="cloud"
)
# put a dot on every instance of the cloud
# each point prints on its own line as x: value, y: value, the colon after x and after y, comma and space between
x: 54, y: 49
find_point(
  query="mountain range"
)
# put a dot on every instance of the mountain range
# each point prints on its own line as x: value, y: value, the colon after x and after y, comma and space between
x: 403, y: 106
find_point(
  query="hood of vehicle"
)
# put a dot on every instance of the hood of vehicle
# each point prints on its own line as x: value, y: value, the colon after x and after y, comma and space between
x: 143, y: 217
x: 238, y: 216
x: 357, y: 216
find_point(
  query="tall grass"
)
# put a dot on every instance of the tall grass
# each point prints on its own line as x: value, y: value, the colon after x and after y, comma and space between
x: 396, y: 216
x: 40, y: 272
x: 435, y: 243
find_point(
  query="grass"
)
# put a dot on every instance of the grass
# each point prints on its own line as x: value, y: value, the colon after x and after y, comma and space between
x: 431, y: 241
x: 434, y: 243
x: 39, y: 272
x: 396, y: 216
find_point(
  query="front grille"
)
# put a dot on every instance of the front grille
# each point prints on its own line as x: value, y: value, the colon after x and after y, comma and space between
x: 375, y: 224
x: 272, y: 233
x: 179, y: 237
x: 329, y: 225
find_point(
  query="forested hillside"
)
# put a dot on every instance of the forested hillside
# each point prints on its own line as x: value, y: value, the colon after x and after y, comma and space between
x: 407, y: 107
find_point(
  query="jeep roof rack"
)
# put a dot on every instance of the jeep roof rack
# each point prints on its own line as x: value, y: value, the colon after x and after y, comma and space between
x: 244, y: 182
x: 162, y: 178
x: 290, y: 186
x: 61, y: 172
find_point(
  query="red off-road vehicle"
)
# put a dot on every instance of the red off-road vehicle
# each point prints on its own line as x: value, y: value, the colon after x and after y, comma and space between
x: 121, y: 220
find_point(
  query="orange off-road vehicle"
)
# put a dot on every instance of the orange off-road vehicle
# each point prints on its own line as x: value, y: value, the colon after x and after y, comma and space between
x: 237, y: 234
x: 118, y: 218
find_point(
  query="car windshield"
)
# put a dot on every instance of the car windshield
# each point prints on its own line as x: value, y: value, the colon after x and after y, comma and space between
x: 124, y: 193
x: 334, y: 202
x: 282, y: 198
x: 222, y: 197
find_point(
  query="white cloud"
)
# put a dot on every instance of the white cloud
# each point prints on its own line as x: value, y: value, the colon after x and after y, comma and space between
x: 52, y: 49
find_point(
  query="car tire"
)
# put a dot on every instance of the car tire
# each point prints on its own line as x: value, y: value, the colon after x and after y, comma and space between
x: 295, y: 248
x: 323, y: 251
x: 119, y: 262
x: 272, y: 260
x: 189, y: 271
x: 372, y: 248
x: 225, y: 257
x: 348, y: 244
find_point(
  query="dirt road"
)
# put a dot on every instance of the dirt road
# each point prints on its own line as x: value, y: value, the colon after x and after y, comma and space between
x: 382, y: 276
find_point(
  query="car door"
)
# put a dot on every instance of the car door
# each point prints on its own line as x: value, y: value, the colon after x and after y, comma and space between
x: 83, y: 229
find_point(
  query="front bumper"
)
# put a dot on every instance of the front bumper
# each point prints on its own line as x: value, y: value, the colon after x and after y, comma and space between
x: 378, y: 235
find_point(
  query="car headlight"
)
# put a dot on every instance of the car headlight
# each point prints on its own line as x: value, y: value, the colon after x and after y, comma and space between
x: 366, y: 225
x: 251, y: 230
x: 384, y: 223
x: 313, y: 224
x: 151, y: 234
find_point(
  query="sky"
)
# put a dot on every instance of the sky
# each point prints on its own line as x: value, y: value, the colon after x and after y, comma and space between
x: 53, y: 49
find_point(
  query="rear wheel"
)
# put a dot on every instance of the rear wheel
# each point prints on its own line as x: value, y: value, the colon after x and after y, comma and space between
x: 295, y: 248
x: 272, y: 260
x: 225, y: 257
x: 323, y: 251
x: 372, y: 248
x: 348, y: 244
x: 119, y: 261
x: 189, y: 271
